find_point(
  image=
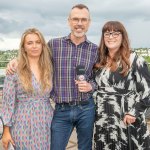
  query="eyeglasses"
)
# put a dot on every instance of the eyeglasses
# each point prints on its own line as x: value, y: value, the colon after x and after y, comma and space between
x: 114, y: 34
x: 76, y: 20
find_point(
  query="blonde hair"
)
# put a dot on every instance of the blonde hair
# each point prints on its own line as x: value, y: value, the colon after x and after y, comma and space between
x: 123, y: 52
x: 45, y: 64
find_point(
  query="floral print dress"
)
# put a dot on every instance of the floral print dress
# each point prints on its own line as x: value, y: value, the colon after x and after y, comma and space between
x: 116, y: 96
x: 29, y: 116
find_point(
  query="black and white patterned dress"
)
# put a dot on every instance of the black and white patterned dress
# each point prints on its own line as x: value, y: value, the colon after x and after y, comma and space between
x: 117, y: 95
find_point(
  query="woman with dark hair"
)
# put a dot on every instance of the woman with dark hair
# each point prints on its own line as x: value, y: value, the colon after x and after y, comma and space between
x: 123, y: 93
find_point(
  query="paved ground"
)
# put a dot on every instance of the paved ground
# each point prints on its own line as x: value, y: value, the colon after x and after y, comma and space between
x: 72, y: 145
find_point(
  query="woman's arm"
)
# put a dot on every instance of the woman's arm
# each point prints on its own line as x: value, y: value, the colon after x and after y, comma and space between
x: 7, y: 138
x: 142, y: 82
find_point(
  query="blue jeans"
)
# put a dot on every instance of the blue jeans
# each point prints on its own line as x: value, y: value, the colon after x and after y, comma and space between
x: 67, y: 117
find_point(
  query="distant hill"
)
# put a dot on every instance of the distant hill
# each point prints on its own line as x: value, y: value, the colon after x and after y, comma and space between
x: 6, y: 56
x: 143, y: 51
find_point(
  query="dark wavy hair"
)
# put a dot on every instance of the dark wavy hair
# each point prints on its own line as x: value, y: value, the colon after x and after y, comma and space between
x: 122, y: 54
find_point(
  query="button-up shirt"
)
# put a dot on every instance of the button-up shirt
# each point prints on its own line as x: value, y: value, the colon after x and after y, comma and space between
x: 66, y: 57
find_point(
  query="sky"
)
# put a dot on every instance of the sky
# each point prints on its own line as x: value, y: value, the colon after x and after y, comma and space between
x: 50, y: 17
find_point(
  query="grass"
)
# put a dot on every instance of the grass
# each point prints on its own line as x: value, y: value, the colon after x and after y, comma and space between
x: 147, y: 59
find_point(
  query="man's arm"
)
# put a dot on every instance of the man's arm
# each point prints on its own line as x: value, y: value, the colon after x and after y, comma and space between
x: 84, y: 86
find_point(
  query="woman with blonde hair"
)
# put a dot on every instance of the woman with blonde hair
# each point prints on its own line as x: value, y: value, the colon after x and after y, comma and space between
x: 123, y: 93
x: 26, y: 108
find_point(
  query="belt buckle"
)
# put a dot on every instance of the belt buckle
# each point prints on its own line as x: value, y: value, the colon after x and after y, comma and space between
x: 72, y: 103
x: 78, y: 102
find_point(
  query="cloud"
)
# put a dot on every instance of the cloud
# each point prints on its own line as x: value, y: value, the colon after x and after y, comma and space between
x: 50, y: 17
x: 1, y: 40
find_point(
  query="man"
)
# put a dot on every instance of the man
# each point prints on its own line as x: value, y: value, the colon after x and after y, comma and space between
x: 74, y: 103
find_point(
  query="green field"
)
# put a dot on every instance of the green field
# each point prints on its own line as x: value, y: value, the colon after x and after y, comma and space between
x: 147, y: 58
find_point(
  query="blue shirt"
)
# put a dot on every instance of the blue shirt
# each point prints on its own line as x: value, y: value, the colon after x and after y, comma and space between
x: 66, y: 57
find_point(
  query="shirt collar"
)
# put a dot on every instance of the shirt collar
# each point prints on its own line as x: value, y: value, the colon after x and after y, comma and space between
x: 67, y: 38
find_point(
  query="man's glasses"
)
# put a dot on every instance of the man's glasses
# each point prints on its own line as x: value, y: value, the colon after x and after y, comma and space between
x: 114, y: 34
x: 77, y: 20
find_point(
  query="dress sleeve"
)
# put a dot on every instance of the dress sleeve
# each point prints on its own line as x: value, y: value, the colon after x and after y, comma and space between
x: 8, y: 100
x: 92, y: 77
x: 93, y: 82
x: 142, y: 82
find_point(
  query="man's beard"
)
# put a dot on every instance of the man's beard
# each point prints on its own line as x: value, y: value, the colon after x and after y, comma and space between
x: 79, y: 35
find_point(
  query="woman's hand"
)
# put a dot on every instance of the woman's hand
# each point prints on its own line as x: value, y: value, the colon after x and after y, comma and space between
x: 128, y: 119
x: 7, y: 138
x: 12, y: 67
